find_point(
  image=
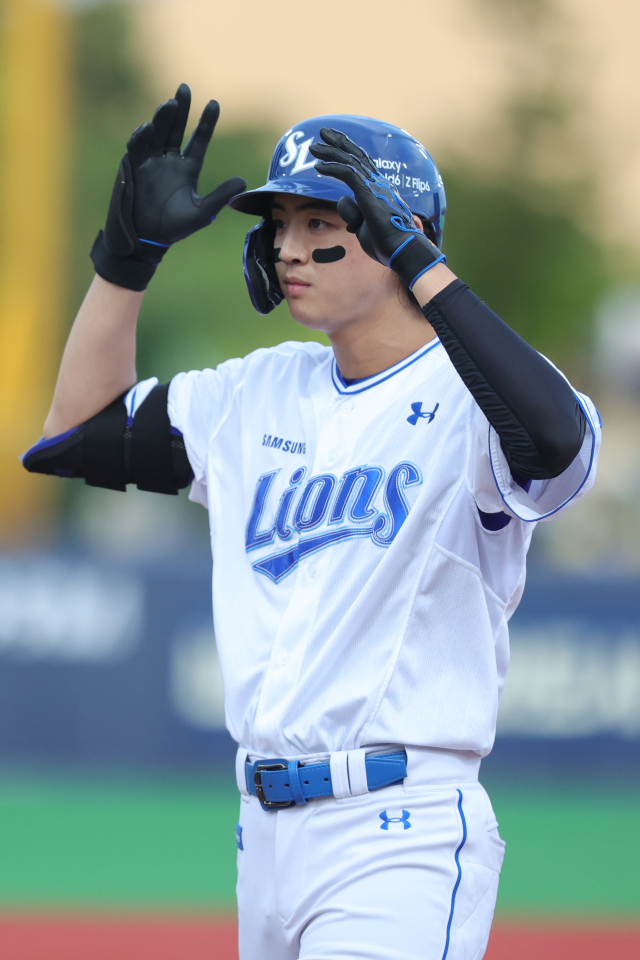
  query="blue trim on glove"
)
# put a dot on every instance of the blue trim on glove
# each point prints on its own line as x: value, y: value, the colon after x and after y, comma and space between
x: 441, y: 259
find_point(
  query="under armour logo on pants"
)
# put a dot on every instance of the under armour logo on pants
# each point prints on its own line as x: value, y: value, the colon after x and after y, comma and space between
x: 404, y: 820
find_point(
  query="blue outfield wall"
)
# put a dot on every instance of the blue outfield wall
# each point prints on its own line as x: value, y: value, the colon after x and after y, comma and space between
x: 113, y: 663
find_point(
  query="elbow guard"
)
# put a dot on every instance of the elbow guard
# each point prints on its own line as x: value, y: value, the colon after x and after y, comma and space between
x: 111, y: 449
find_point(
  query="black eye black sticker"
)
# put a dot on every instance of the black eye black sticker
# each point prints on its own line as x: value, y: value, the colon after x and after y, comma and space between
x: 276, y: 254
x: 328, y: 255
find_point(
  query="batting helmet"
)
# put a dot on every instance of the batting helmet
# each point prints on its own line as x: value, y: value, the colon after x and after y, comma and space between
x: 396, y: 154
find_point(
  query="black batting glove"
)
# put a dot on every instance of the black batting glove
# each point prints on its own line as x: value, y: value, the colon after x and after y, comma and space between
x: 380, y: 218
x: 155, y: 199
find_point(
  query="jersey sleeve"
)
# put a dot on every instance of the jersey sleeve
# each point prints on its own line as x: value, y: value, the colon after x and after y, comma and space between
x: 497, y: 490
x: 198, y: 403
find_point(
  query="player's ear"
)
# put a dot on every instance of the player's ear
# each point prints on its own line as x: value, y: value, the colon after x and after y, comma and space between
x: 418, y: 222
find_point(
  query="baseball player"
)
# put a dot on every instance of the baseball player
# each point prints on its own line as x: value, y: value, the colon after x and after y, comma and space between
x: 371, y: 505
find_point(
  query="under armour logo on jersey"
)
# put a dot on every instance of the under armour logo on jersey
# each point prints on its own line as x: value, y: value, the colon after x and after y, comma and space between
x: 418, y: 414
x: 404, y: 820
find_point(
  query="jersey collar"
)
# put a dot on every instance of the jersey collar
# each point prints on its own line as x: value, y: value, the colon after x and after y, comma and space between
x: 368, y: 382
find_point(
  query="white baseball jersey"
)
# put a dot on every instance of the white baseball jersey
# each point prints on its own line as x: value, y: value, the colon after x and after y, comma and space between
x: 358, y: 598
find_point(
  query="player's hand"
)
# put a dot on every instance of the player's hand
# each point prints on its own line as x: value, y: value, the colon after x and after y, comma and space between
x: 155, y: 199
x: 380, y: 218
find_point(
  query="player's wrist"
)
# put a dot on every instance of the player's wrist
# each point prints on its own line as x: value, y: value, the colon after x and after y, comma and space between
x: 127, y: 272
x: 431, y: 283
x: 414, y: 258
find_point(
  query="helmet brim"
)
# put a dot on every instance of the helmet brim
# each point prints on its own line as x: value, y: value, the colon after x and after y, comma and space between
x: 257, y: 202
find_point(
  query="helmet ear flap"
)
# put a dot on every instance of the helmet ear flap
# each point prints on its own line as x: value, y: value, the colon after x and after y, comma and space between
x: 430, y: 231
x: 260, y: 270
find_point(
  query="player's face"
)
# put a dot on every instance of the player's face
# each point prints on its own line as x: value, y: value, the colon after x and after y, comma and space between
x: 328, y: 280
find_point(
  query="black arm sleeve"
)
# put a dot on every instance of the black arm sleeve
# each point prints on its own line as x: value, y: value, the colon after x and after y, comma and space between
x: 529, y: 404
x: 110, y: 450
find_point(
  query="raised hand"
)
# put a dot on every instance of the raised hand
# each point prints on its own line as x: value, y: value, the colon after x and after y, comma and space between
x: 379, y: 217
x: 155, y: 199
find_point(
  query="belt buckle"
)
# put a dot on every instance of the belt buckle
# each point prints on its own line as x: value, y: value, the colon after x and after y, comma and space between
x: 257, y: 779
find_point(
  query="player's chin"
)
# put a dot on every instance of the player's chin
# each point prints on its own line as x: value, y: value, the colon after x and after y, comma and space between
x: 306, y: 311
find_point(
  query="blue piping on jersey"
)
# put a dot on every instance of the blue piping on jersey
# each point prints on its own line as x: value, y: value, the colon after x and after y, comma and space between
x: 350, y: 393
x: 575, y: 492
x: 459, y: 877
x: 50, y: 442
x: 354, y: 380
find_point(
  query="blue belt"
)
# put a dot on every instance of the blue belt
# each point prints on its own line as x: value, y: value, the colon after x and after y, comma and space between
x: 282, y: 783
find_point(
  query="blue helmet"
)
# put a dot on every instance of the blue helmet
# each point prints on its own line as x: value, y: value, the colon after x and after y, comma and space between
x: 396, y: 154
x: 401, y: 159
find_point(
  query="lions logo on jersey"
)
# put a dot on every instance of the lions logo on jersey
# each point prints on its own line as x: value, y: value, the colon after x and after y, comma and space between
x: 335, y: 509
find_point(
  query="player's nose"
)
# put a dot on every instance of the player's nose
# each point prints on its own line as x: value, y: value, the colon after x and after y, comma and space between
x: 292, y: 249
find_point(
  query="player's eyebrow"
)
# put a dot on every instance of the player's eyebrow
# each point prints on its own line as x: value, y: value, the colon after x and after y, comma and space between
x: 308, y: 205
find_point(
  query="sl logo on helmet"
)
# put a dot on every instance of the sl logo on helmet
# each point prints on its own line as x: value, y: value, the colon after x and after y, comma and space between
x: 297, y: 152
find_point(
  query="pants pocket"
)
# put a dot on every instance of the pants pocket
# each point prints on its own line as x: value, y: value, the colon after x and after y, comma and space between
x: 496, y: 846
x: 474, y: 932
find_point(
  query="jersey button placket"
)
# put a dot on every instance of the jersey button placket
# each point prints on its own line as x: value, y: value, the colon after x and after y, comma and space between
x: 303, y: 609
x: 333, y: 438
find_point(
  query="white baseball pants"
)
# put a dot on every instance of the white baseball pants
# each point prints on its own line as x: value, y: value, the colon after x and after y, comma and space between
x: 408, y: 872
